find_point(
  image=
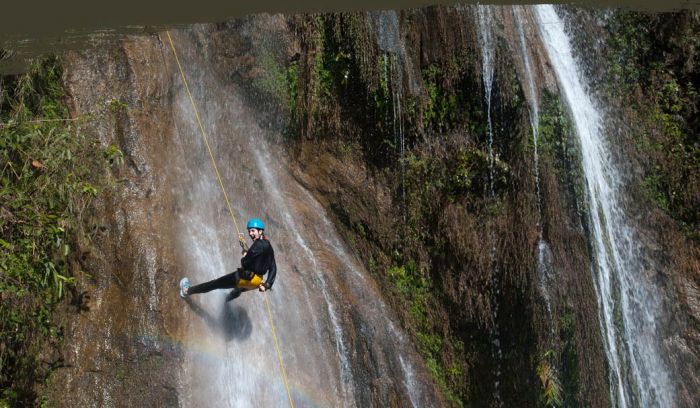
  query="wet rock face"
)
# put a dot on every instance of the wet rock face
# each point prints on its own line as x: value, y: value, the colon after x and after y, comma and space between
x: 480, y: 255
x: 477, y: 294
x: 121, y: 348
x: 471, y: 282
x: 135, y: 340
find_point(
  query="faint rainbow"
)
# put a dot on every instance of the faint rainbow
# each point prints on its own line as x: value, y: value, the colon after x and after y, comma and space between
x: 206, y: 353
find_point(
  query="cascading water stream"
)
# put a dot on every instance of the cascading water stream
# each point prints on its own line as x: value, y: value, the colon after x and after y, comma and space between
x: 487, y: 51
x: 319, y: 298
x: 347, y: 384
x: 628, y: 302
x: 392, y: 46
x: 487, y: 55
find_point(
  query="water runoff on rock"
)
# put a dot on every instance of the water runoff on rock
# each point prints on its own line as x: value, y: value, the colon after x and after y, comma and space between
x: 394, y: 57
x: 545, y: 268
x: 487, y: 45
x: 327, y: 312
x: 629, y: 305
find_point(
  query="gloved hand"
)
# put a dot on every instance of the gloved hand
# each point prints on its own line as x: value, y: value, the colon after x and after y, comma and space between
x: 244, y: 245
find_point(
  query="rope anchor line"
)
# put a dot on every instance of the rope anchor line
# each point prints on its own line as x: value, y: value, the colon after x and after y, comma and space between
x: 230, y: 210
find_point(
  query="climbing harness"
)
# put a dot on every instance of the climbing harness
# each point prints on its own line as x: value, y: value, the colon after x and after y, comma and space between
x: 230, y: 210
x: 252, y: 283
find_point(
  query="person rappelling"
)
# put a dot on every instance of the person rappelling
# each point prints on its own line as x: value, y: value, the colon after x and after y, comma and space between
x: 257, y: 261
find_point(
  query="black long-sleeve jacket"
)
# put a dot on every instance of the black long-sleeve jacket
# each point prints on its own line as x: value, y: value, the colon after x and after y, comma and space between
x: 260, y: 259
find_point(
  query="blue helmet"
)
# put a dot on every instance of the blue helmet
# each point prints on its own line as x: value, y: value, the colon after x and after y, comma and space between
x: 255, y: 223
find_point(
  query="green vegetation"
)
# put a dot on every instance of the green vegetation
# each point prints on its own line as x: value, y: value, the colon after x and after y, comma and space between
x: 653, y: 186
x: 116, y: 105
x: 310, y: 80
x: 48, y: 182
x: 441, y: 109
x: 630, y: 45
x: 383, y: 94
x: 416, y: 290
x: 569, y: 360
x: 547, y: 374
x: 558, y: 144
x: 671, y: 177
x: 292, y: 78
x: 653, y: 61
x: 322, y: 79
x: 336, y: 73
x: 459, y: 174
x: 273, y: 79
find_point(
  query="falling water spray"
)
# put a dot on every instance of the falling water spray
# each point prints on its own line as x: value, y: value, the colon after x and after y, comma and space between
x: 628, y: 302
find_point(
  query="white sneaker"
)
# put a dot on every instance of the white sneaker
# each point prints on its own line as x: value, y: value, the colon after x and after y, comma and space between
x: 184, y: 287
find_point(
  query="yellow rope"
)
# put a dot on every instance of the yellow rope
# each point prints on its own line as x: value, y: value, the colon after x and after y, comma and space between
x: 279, y: 354
x: 230, y: 210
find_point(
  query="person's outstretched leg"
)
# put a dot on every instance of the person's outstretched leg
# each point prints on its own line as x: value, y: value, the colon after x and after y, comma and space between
x: 224, y: 282
x: 234, y: 294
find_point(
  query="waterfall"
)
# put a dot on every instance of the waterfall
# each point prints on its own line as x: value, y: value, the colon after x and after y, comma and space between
x: 325, y: 308
x: 628, y: 302
x: 347, y: 383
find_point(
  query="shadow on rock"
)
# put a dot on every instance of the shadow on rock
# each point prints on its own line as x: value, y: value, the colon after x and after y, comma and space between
x: 232, y: 323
